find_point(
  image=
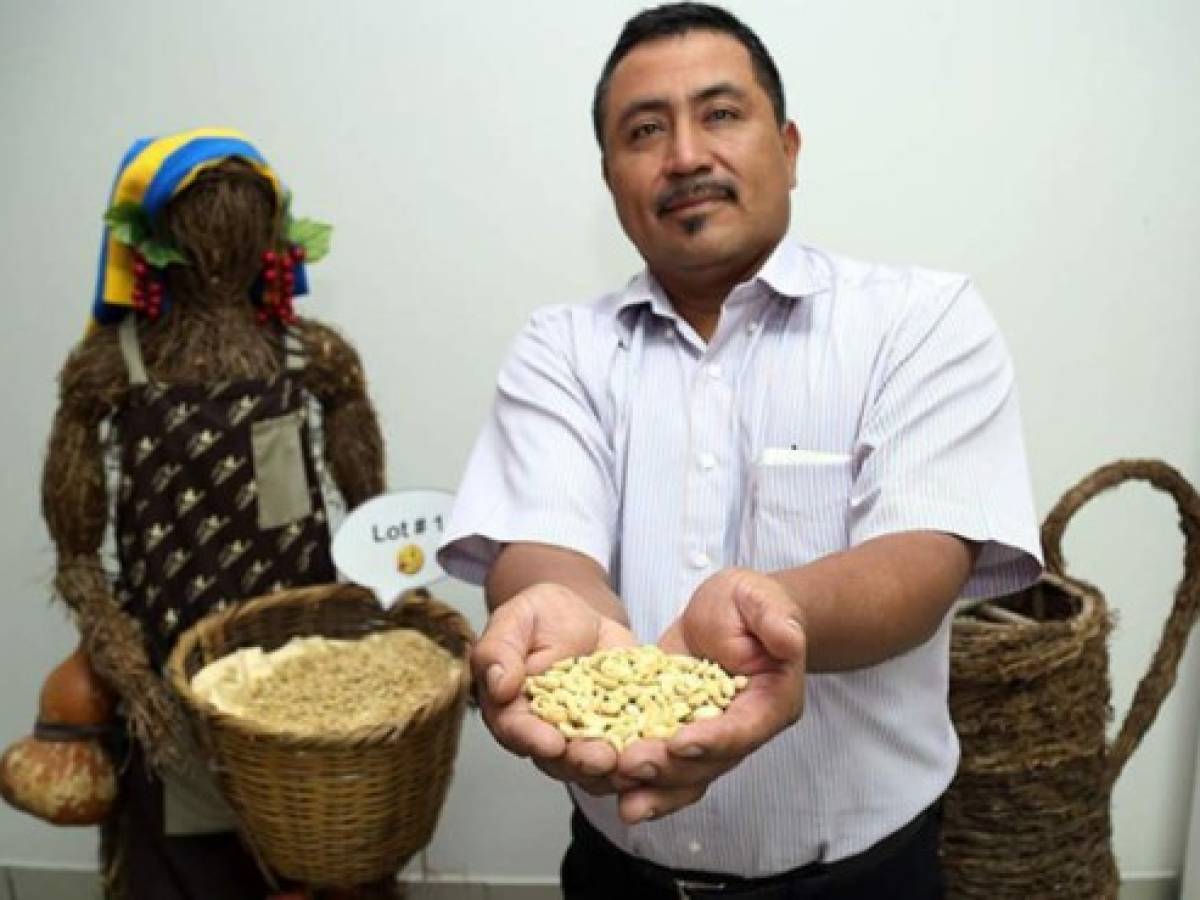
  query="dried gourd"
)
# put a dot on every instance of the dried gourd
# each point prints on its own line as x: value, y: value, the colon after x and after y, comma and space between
x: 62, y: 773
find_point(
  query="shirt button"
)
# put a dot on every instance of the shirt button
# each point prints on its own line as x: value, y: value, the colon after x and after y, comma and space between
x: 714, y: 370
x: 700, y: 560
x: 707, y: 461
x: 694, y: 847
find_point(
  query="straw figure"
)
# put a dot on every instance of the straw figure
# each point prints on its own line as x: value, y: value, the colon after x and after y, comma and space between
x: 202, y: 383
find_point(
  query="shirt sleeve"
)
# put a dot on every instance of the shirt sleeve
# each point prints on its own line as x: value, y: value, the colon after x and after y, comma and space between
x: 941, y: 446
x: 541, y: 470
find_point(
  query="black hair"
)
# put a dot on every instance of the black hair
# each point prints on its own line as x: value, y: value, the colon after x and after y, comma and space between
x: 676, y: 20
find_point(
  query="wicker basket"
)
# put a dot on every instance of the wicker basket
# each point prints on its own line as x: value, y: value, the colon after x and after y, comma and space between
x: 330, y: 811
x: 1028, y: 814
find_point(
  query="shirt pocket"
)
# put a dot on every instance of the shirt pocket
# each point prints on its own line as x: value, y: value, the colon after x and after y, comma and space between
x: 283, y: 489
x: 800, y: 511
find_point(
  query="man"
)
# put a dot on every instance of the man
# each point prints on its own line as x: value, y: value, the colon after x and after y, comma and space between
x: 756, y: 453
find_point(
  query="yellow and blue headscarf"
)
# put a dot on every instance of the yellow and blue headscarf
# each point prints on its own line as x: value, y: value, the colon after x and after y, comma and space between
x: 152, y: 172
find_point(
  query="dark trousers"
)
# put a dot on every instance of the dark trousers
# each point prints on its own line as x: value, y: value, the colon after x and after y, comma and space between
x: 903, y: 866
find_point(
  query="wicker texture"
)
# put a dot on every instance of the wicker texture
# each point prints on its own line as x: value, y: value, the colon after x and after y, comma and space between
x: 330, y: 811
x: 1028, y: 814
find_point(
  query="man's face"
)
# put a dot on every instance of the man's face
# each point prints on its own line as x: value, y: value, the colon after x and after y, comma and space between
x: 699, y: 170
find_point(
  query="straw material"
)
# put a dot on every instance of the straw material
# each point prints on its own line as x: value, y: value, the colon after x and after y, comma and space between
x: 117, y: 651
x: 330, y: 811
x: 1028, y: 814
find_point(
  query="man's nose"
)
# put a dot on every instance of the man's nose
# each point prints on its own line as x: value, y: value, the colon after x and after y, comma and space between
x: 688, y: 152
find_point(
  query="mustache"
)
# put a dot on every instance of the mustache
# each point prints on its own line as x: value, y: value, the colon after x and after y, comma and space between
x: 694, y: 189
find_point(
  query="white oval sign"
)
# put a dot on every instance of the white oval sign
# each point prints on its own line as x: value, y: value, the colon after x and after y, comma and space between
x: 389, y: 544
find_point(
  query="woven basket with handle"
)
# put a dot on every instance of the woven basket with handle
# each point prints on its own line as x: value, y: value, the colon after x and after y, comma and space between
x: 330, y: 811
x: 1028, y: 814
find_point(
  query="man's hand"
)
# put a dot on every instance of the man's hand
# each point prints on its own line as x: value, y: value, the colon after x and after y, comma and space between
x: 746, y: 622
x: 526, y: 635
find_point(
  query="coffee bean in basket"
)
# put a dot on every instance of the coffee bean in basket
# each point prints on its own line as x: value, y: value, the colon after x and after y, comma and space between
x: 313, y: 685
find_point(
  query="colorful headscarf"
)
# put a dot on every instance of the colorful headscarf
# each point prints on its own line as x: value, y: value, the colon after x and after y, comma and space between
x: 152, y: 172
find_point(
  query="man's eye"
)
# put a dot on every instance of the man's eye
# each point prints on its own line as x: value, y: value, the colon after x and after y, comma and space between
x: 722, y: 114
x: 644, y: 130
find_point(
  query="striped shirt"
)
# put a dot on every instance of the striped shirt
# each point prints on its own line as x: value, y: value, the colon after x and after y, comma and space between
x: 835, y: 402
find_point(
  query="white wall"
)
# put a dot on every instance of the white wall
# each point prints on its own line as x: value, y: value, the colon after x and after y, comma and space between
x: 1050, y: 149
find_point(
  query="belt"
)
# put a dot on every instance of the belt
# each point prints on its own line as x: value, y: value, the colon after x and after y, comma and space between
x: 797, y: 882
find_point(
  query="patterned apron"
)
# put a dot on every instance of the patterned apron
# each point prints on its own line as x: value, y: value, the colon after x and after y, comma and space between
x: 218, y: 501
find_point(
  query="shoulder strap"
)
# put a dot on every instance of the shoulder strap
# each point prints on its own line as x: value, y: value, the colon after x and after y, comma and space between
x: 294, y: 356
x: 132, y: 351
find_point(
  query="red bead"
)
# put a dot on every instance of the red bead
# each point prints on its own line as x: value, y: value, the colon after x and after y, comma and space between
x: 297, y: 252
x: 289, y: 280
x: 288, y: 263
x: 156, y: 290
x: 269, y: 257
x: 139, y: 268
x: 269, y: 275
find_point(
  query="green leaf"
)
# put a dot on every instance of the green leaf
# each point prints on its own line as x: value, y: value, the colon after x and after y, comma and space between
x: 160, y: 255
x: 312, y: 236
x: 128, y: 222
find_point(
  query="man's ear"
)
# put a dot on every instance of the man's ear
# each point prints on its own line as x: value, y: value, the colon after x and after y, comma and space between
x: 790, y: 135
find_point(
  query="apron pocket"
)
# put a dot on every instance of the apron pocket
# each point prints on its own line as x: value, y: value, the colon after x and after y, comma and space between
x: 283, y: 490
x: 192, y: 801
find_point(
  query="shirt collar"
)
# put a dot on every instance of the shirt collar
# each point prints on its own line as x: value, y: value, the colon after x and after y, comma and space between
x: 787, y: 273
